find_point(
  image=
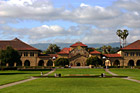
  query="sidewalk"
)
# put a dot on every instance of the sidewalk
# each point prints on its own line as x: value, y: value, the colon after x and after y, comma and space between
x: 130, y: 79
x: 22, y: 81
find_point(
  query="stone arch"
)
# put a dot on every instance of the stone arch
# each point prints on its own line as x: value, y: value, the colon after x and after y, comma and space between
x: 78, y: 64
x: 116, y: 63
x: 138, y: 63
x: 11, y: 64
x: 41, y: 63
x: 131, y: 63
x: 27, y: 63
x: 49, y: 63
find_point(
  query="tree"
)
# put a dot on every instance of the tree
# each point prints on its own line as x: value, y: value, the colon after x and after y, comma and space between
x: 9, y: 56
x: 106, y: 49
x: 52, y: 49
x: 94, y: 61
x: 119, y: 33
x: 123, y: 35
x: 62, y: 62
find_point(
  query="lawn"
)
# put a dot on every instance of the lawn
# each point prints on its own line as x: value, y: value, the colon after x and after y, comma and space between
x: 75, y: 85
x: 133, y: 73
x: 67, y: 71
x: 12, y: 76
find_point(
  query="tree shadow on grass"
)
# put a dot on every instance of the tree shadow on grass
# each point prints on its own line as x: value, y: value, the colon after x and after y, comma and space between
x: 14, y: 73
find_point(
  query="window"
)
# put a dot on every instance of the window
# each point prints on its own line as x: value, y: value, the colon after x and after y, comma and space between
x: 31, y: 53
x: 25, y: 53
x: 126, y: 54
x: 132, y: 54
x: 138, y: 54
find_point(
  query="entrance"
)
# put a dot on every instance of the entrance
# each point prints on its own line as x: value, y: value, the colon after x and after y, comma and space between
x: 78, y: 64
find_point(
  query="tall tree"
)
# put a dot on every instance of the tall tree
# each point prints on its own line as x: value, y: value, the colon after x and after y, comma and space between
x: 123, y: 35
x: 9, y: 56
x: 119, y: 33
x: 52, y: 49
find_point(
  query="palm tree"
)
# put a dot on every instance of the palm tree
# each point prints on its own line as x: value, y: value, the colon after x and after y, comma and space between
x: 119, y: 33
x: 124, y: 36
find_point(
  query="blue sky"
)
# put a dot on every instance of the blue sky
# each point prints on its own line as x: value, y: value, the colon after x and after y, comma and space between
x: 53, y: 21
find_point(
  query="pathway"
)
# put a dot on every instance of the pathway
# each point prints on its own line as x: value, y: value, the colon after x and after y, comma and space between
x: 22, y: 81
x: 107, y: 70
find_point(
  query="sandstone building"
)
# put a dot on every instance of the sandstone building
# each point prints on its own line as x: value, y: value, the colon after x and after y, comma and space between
x: 76, y: 53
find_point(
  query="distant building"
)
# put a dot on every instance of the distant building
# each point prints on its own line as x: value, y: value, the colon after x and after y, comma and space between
x: 76, y: 53
x: 30, y: 56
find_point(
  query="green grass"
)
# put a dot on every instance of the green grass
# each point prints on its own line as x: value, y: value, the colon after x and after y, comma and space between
x: 75, y: 85
x: 66, y: 71
x: 12, y: 76
x: 133, y: 73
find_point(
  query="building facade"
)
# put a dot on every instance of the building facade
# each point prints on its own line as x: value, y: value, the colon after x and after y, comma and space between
x: 77, y: 54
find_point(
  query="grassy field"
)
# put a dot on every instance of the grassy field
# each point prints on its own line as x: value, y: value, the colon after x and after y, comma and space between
x: 12, y: 76
x: 66, y: 71
x: 75, y: 85
x: 133, y: 73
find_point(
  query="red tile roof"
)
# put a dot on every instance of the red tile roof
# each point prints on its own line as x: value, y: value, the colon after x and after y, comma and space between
x: 112, y: 55
x: 133, y: 46
x: 17, y: 45
x: 78, y: 44
x: 65, y: 51
x: 95, y: 52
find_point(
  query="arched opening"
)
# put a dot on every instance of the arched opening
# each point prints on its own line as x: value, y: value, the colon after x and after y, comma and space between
x: 19, y: 63
x: 78, y: 64
x: 131, y: 63
x: 116, y: 63
x: 138, y: 63
x: 41, y: 63
x: 3, y: 64
x: 50, y: 63
x: 27, y: 63
x: 11, y: 64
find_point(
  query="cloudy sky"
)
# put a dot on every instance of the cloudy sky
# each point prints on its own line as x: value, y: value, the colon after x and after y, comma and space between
x: 53, y: 21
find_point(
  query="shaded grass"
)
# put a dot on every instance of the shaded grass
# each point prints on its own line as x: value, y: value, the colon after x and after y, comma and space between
x: 133, y: 73
x: 12, y: 76
x: 65, y: 72
x: 75, y: 85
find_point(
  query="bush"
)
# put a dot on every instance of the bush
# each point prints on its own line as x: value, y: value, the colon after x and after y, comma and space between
x: 94, y: 61
x: 61, y: 62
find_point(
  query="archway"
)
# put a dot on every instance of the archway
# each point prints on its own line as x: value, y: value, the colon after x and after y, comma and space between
x: 41, y: 63
x: 50, y: 63
x: 131, y: 63
x: 138, y: 63
x: 116, y: 63
x: 27, y: 63
x: 11, y: 64
x: 78, y: 64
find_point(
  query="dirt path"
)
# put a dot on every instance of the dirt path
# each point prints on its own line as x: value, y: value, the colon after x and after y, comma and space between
x: 130, y: 79
x: 22, y: 81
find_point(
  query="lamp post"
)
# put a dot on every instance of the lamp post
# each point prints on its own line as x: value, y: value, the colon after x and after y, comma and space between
x: 104, y: 58
x: 53, y: 58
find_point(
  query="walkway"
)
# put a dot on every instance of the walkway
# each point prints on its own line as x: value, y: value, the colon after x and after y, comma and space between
x: 134, y: 80
x: 22, y: 81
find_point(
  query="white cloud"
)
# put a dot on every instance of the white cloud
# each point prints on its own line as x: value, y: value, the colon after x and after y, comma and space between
x: 106, y: 20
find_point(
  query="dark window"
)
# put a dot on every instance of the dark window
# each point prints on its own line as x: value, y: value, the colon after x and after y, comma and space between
x: 132, y: 54
x: 126, y: 54
x: 138, y: 54
x: 25, y: 53
x: 31, y: 53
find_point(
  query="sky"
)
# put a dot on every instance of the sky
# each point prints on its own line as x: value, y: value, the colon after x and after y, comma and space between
x: 69, y: 21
